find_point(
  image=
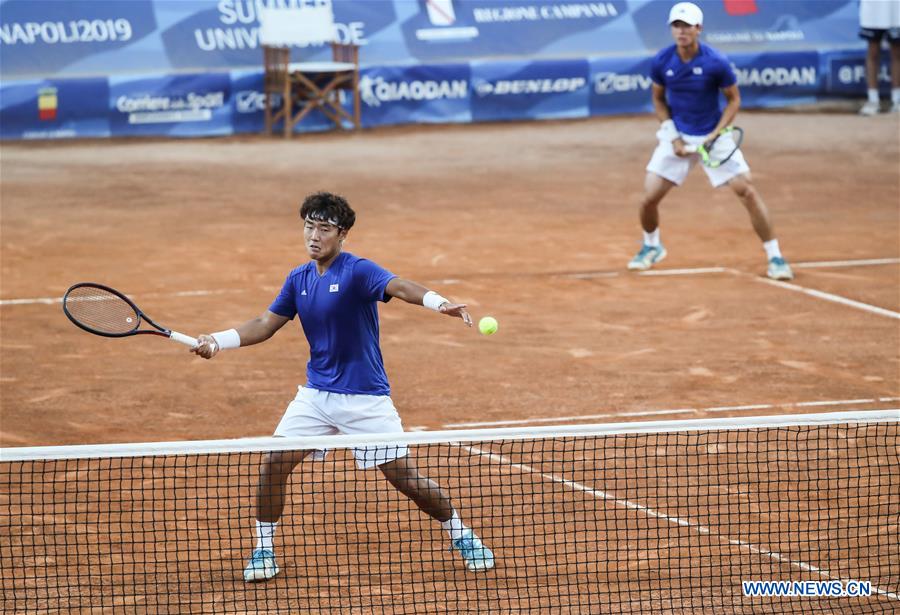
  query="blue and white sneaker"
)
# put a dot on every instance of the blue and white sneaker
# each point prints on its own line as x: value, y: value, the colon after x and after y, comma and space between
x: 261, y: 566
x: 779, y: 269
x: 473, y: 551
x: 647, y: 257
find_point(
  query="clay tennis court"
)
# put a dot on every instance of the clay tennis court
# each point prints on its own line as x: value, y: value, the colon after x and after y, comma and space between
x: 531, y: 223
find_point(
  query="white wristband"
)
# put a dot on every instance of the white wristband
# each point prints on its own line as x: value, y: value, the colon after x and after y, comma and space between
x: 227, y: 339
x: 667, y: 132
x: 434, y: 301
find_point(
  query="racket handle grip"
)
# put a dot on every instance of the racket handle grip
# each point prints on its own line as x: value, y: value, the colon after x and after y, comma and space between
x: 187, y: 340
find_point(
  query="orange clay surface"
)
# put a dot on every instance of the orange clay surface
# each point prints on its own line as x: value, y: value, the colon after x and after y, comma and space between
x: 530, y: 223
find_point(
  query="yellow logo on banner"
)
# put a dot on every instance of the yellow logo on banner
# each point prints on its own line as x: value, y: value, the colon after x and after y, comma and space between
x: 47, y: 103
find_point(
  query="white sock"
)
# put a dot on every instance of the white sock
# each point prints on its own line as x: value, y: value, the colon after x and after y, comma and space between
x: 454, y: 526
x: 652, y: 239
x: 873, y: 95
x: 265, y: 533
x: 772, y: 249
x: 895, y: 96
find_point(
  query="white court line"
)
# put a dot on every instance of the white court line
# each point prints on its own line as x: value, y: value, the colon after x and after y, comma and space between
x: 730, y: 408
x: 834, y: 403
x: 698, y: 270
x: 583, y: 417
x: 655, y: 412
x: 45, y: 300
x: 183, y: 293
x: 592, y: 275
x: 857, y: 263
x: 613, y: 414
x: 585, y: 275
x: 689, y: 523
x: 829, y: 297
x: 552, y: 419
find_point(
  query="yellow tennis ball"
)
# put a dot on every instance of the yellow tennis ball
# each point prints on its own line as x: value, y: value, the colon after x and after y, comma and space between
x: 488, y: 325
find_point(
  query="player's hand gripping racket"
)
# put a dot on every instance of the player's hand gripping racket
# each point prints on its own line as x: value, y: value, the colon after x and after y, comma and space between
x: 104, y: 311
x: 720, y: 150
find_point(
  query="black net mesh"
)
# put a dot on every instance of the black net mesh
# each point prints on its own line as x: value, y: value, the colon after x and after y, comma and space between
x: 657, y: 523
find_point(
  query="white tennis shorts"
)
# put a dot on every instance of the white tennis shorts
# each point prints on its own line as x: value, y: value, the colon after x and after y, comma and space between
x: 879, y: 14
x: 321, y: 413
x: 667, y: 165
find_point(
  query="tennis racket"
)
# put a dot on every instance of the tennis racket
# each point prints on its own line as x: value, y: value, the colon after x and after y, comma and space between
x: 102, y: 310
x: 720, y: 150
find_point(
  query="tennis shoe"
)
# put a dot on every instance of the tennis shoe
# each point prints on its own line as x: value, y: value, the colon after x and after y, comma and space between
x: 870, y: 108
x: 647, y: 257
x: 473, y: 551
x: 261, y: 566
x: 779, y: 269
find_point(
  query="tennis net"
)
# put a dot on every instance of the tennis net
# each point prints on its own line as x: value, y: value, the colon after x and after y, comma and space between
x: 780, y: 514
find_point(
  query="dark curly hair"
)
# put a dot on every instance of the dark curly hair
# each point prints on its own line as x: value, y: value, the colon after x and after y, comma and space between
x: 328, y: 207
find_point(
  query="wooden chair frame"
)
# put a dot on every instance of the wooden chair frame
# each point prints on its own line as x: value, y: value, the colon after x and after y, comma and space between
x: 307, y: 90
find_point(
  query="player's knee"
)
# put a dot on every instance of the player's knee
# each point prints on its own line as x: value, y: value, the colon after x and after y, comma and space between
x: 742, y: 186
x: 650, y: 201
x: 281, y: 462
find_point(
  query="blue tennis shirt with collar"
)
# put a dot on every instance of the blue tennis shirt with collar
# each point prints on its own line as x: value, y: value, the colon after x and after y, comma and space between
x: 339, y: 315
x: 692, y: 88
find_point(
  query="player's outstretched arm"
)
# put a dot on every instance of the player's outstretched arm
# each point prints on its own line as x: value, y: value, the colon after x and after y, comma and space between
x: 415, y: 293
x: 251, y: 332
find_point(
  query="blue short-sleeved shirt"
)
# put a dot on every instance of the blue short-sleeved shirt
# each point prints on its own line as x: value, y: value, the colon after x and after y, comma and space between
x: 692, y: 88
x: 339, y: 315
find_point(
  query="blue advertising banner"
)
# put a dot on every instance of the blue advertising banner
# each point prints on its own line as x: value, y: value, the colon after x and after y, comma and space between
x: 774, y: 79
x: 248, y: 103
x: 735, y: 26
x: 46, y: 38
x: 845, y: 73
x: 415, y: 94
x: 173, y: 105
x: 194, y: 67
x: 538, y: 90
x: 43, y: 38
x: 54, y: 109
x: 620, y: 85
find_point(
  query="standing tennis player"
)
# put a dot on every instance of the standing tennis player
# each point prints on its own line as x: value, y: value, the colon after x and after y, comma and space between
x: 687, y: 78
x: 336, y: 295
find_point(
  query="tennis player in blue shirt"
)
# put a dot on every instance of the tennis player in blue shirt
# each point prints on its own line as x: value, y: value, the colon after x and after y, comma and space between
x: 336, y: 296
x: 687, y: 78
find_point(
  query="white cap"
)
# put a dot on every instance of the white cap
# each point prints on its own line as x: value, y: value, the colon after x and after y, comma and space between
x: 688, y: 12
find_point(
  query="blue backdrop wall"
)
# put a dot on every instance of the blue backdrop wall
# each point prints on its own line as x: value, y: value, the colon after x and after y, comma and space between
x: 193, y: 67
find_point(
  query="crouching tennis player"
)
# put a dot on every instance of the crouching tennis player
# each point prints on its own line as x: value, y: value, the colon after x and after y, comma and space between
x: 347, y: 391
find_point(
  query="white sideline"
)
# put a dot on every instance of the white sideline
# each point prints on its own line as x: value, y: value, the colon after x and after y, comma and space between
x: 613, y: 414
x: 864, y: 262
x: 851, y: 263
x: 830, y: 297
x: 698, y: 527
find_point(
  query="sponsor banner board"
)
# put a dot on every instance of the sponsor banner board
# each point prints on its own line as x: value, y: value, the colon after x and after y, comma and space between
x: 45, y: 38
x: 173, y: 105
x: 845, y: 73
x: 549, y: 89
x: 54, y: 109
x: 620, y: 85
x: 415, y: 94
x: 777, y: 79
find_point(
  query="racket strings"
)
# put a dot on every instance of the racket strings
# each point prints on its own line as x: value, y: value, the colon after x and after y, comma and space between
x: 101, y: 310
